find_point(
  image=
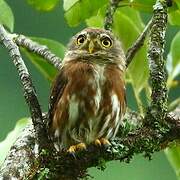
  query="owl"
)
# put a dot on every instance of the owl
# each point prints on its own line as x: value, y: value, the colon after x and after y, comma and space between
x: 87, y: 100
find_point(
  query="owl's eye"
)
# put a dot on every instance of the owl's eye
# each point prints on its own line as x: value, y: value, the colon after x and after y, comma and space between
x: 106, y: 42
x: 81, y: 39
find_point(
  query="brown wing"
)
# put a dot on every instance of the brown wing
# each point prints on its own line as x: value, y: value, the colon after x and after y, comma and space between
x: 56, y: 92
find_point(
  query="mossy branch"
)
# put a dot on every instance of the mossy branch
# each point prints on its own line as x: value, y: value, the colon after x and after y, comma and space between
x: 135, y: 138
x: 113, y: 5
x: 158, y: 109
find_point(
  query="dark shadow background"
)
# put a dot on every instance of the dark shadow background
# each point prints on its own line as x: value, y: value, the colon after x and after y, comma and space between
x: 12, y: 104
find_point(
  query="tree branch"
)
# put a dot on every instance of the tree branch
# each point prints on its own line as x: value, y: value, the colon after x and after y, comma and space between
x: 113, y: 5
x: 134, y: 140
x: 158, y: 109
x: 41, y: 50
x: 29, y: 90
x: 131, y: 52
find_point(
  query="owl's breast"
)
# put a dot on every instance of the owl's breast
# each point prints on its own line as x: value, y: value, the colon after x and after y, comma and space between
x: 86, y: 88
x: 90, y: 103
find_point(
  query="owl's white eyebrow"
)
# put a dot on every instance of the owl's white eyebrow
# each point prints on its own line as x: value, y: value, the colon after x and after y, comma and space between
x: 105, y: 35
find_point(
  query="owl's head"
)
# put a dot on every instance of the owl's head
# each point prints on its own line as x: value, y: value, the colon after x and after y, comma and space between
x: 95, y: 45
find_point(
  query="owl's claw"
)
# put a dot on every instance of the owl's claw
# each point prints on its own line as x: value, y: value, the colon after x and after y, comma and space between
x: 72, y: 149
x: 97, y: 142
x: 102, y: 141
x: 105, y: 142
x: 78, y: 147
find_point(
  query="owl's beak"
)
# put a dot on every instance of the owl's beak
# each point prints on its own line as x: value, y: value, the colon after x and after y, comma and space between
x: 91, y: 47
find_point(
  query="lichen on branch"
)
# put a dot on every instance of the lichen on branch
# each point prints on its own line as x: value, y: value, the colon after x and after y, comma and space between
x: 158, y: 109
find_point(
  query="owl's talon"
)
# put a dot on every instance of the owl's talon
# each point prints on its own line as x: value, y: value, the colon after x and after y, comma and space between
x: 97, y: 142
x: 78, y: 147
x: 102, y: 142
x: 105, y: 142
x: 72, y: 149
x: 81, y: 146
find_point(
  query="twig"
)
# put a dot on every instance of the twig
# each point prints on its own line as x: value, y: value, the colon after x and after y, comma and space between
x: 41, y: 50
x: 113, y: 5
x: 29, y: 91
x: 158, y: 76
x: 131, y: 52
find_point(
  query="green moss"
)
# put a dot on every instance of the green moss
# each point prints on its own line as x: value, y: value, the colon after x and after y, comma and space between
x: 43, y: 174
x: 44, y: 152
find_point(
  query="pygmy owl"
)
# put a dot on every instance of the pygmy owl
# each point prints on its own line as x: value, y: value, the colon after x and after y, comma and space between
x: 87, y: 100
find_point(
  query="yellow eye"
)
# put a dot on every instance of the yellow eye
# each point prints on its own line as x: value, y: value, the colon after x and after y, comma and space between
x: 106, y: 42
x: 81, y: 39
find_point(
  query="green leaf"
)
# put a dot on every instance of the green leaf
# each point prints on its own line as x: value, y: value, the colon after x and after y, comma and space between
x: 68, y: 4
x: 175, y: 47
x: 133, y: 15
x: 43, y: 5
x: 80, y: 10
x: 11, y: 137
x: 142, y: 5
x: 173, y: 155
x: 174, y: 17
x: 146, y: 5
x: 173, y: 60
x: 98, y: 19
x: 48, y: 70
x: 128, y: 26
x: 177, y: 3
x: 6, y: 15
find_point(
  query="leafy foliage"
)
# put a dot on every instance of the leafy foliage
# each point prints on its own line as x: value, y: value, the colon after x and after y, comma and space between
x: 69, y: 3
x: 173, y: 60
x: 173, y: 155
x: 125, y: 20
x: 78, y: 11
x: 6, y: 15
x: 43, y: 5
x: 175, y: 47
x: 174, y: 17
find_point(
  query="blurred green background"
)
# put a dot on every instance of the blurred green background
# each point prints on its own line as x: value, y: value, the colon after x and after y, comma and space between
x: 12, y: 105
